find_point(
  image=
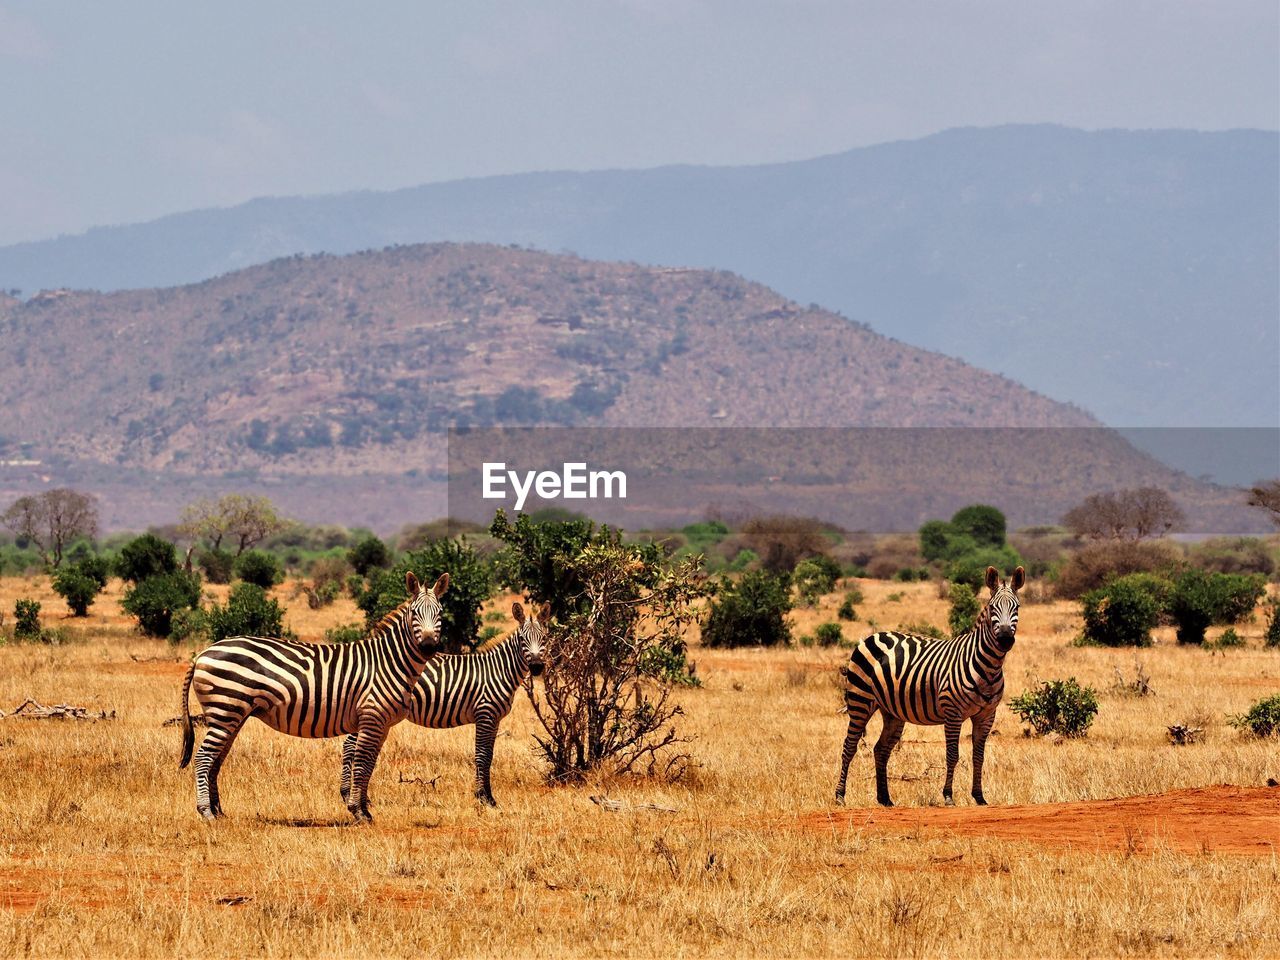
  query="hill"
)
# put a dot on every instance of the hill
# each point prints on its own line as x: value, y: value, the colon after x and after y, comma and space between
x: 1093, y: 267
x: 329, y: 382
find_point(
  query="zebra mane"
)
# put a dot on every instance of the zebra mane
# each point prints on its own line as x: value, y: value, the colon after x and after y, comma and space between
x: 390, y: 618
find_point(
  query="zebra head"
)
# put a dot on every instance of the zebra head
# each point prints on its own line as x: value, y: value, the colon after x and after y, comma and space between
x: 531, y: 631
x: 424, y: 612
x: 1002, y: 609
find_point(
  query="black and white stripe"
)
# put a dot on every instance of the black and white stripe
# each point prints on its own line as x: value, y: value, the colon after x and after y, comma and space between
x: 313, y: 690
x: 477, y: 688
x: 927, y: 681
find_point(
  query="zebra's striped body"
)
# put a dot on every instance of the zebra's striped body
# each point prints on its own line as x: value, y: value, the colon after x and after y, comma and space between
x: 927, y: 681
x: 312, y: 690
x: 477, y: 688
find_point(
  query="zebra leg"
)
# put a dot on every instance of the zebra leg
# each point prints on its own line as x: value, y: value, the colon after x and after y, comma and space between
x: 369, y: 739
x: 486, y: 735
x: 860, y: 712
x: 213, y: 750
x: 953, y: 757
x: 348, y: 762
x: 981, y: 727
x: 889, y: 738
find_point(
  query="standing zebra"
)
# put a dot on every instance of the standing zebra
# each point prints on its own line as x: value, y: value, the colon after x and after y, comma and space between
x: 478, y: 688
x: 313, y: 690
x: 927, y: 681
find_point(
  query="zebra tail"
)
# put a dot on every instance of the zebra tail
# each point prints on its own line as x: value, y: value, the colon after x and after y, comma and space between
x: 188, y: 736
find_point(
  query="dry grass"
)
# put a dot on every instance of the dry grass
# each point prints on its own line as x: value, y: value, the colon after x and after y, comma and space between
x: 101, y: 851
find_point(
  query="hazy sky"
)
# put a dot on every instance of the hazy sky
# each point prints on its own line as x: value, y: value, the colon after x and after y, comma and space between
x: 124, y: 111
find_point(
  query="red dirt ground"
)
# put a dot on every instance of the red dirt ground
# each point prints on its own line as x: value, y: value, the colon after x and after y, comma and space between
x: 1225, y: 819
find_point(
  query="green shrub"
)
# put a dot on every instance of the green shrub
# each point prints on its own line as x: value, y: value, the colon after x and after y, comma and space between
x: 1059, y: 706
x: 971, y: 568
x: 346, y: 633
x: 217, y: 565
x: 668, y: 663
x: 847, y: 609
x: 1226, y: 640
x: 470, y: 585
x: 964, y: 609
x: 911, y: 574
x: 1123, y: 613
x: 369, y: 554
x: 1200, y: 599
x: 96, y: 568
x: 750, y: 612
x: 1233, y: 555
x: 742, y: 559
x: 1262, y: 719
x: 248, y: 612
x: 984, y: 524
x: 77, y: 588
x: 155, y: 600
x: 26, y: 619
x: 146, y: 556
x: 814, y: 577
x: 828, y: 634
x: 189, y: 626
x: 258, y: 568
x: 1272, y: 637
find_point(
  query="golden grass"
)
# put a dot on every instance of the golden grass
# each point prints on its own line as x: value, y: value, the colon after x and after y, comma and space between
x: 102, y: 853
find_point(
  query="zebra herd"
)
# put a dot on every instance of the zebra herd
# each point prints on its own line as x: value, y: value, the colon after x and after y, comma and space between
x: 361, y: 690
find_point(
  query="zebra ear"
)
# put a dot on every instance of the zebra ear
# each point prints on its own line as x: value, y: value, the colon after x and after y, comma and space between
x: 411, y: 584
x: 441, y: 586
x: 544, y: 615
x: 1019, y: 578
x: 993, y: 579
x: 517, y: 611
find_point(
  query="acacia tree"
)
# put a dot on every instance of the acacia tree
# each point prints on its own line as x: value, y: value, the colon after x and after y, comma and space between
x: 607, y: 697
x: 1266, y: 495
x: 242, y: 518
x: 51, y: 520
x: 781, y: 542
x: 1133, y: 514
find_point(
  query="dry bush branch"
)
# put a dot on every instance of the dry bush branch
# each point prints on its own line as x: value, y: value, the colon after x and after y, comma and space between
x: 31, y: 709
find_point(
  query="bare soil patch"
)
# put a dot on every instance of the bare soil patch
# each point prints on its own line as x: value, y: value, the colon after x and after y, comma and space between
x: 1221, y: 819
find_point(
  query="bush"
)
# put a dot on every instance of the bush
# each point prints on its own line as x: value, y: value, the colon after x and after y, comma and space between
x: 258, y: 568
x: 77, y: 588
x: 1096, y: 563
x: 911, y: 574
x: 750, y: 612
x: 248, y: 612
x: 815, y: 577
x: 146, y: 556
x: 1123, y: 613
x: 971, y: 568
x: 1233, y: 555
x: 847, y: 610
x: 828, y: 634
x: 1200, y: 599
x: 97, y: 569
x: 346, y: 633
x: 369, y: 554
x: 1059, y: 706
x: 26, y: 619
x: 983, y: 524
x: 964, y: 609
x: 1272, y: 636
x: 189, y: 626
x: 1226, y: 640
x: 155, y: 600
x: 470, y: 584
x: 1262, y: 719
x: 217, y: 565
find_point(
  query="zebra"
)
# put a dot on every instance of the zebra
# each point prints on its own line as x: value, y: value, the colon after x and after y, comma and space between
x: 312, y: 690
x: 478, y: 688
x: 929, y: 681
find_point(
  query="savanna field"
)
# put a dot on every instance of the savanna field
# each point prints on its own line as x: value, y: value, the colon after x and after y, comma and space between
x: 102, y: 852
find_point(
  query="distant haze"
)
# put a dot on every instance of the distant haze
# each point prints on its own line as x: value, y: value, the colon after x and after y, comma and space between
x: 1133, y: 273
x: 122, y: 112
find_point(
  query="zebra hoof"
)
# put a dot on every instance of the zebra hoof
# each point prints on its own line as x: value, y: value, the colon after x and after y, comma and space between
x: 360, y: 815
x: 488, y: 801
x: 884, y: 801
x: 207, y: 814
x: 949, y: 801
x: 839, y: 799
x: 980, y: 800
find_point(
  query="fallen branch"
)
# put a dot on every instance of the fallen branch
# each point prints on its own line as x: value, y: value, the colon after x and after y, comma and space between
x: 197, y: 720
x: 137, y: 659
x: 618, y: 806
x: 1180, y: 735
x: 31, y: 709
x: 418, y: 780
